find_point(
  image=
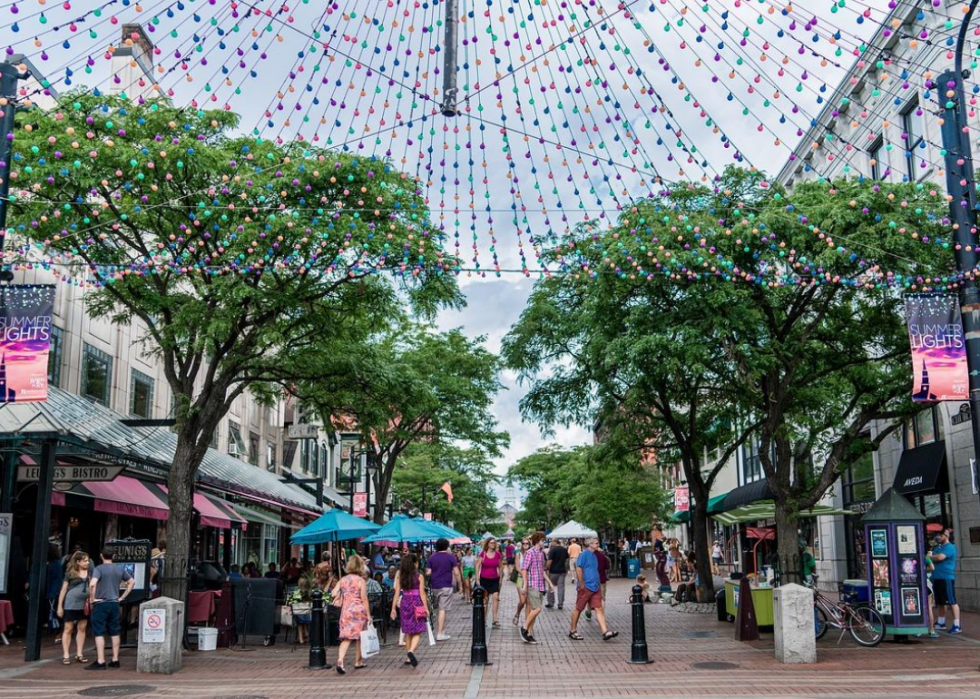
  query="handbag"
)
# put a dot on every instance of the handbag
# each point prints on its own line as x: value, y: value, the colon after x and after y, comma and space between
x: 513, y: 575
x: 87, y: 607
x: 421, y: 612
x: 370, y: 645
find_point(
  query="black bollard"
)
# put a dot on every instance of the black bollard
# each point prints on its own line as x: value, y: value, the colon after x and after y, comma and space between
x: 478, y: 651
x: 318, y: 654
x: 639, y: 654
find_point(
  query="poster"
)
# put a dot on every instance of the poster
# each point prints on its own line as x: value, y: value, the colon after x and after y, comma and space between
x: 25, y: 340
x: 909, y: 571
x: 883, y: 602
x: 938, y: 347
x: 911, y: 602
x: 906, y: 536
x: 879, y: 543
x: 879, y: 573
x: 360, y: 505
x: 682, y: 499
x: 6, y: 525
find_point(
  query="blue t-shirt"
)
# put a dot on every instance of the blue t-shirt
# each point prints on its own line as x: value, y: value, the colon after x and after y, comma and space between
x: 589, y: 564
x: 946, y: 568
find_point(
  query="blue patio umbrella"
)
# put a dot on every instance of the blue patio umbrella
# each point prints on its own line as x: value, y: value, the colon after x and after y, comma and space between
x: 335, y: 525
x: 408, y: 529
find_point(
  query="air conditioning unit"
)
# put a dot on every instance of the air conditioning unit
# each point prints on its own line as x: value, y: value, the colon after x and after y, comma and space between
x: 233, y: 449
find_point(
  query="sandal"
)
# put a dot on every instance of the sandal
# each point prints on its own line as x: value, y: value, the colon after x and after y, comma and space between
x: 496, y: 624
x: 609, y: 634
x: 516, y: 620
x: 360, y: 667
x: 66, y: 661
x: 575, y: 636
x: 80, y: 659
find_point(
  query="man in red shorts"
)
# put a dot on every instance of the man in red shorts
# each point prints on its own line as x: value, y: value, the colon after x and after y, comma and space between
x: 589, y: 591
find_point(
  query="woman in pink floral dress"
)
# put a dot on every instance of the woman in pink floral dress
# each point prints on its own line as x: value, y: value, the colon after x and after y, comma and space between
x: 355, y: 610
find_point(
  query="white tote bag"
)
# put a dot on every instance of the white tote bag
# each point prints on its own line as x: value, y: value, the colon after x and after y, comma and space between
x: 432, y: 637
x: 370, y: 645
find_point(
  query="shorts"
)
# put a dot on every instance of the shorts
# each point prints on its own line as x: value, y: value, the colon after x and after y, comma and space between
x: 588, y: 598
x: 717, y: 561
x: 511, y: 560
x: 73, y: 616
x: 468, y: 573
x: 944, y: 591
x: 105, y: 617
x: 535, y: 599
x: 491, y: 585
x: 304, y: 619
x: 443, y: 597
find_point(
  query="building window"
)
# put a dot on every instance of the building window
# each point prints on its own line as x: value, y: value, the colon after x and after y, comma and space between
x: 874, y: 154
x: 236, y: 445
x: 912, y: 126
x: 253, y: 448
x: 54, y: 356
x: 314, y: 458
x: 270, y: 456
x: 140, y: 394
x: 751, y: 462
x: 304, y: 455
x: 925, y: 428
x: 96, y: 374
x: 858, y: 481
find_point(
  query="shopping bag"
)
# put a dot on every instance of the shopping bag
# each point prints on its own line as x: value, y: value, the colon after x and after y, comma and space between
x: 285, y: 615
x: 432, y: 637
x: 370, y: 645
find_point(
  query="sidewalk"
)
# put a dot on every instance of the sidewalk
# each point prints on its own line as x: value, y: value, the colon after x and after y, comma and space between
x: 694, y: 654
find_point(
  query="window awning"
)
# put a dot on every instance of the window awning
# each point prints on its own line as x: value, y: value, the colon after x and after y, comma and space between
x: 257, y: 517
x: 212, y: 510
x: 923, y: 470
x: 122, y: 496
x: 746, y: 495
x: 766, y: 509
x: 715, y: 504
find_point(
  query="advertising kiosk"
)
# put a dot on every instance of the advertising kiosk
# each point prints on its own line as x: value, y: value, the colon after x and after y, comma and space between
x: 896, y: 564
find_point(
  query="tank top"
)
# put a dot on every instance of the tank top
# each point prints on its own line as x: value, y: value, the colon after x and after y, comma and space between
x: 489, y: 569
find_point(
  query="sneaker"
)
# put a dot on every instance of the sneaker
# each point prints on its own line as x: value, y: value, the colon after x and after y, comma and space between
x: 588, y: 614
x: 561, y: 606
x: 524, y: 636
x: 533, y: 641
x: 443, y: 637
x: 96, y: 665
x: 548, y: 606
x: 113, y: 663
x: 933, y: 634
x: 956, y: 629
x: 941, y: 625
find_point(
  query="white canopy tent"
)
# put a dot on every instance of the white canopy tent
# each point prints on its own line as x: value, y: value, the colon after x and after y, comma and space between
x: 571, y: 529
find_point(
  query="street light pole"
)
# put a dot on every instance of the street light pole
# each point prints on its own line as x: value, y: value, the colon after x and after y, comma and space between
x: 9, y: 75
x: 961, y: 186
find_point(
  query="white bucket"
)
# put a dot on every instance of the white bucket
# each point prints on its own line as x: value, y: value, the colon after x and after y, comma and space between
x: 207, y: 639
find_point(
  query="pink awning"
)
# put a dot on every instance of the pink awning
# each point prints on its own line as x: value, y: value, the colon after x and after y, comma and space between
x: 294, y: 508
x: 127, y: 496
x: 215, y: 514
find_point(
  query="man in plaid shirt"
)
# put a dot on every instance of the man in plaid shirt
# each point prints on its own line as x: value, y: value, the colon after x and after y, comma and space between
x: 536, y: 584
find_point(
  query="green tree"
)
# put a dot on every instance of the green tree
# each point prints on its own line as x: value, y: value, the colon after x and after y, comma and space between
x: 413, y: 386
x: 547, y: 476
x: 236, y: 254
x: 425, y: 467
x: 616, y: 493
x: 715, y: 315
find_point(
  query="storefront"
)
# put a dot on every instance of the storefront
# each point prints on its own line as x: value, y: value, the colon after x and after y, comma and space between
x: 922, y: 477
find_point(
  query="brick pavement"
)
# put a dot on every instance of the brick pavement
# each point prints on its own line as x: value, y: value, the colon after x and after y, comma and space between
x: 558, y: 667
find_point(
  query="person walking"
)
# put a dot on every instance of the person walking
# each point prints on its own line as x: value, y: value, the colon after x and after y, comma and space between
x: 104, y: 597
x: 71, y: 606
x: 355, y: 611
x: 489, y: 568
x: 442, y: 570
x: 604, y: 566
x: 510, y: 558
x: 535, y: 584
x: 468, y: 561
x: 412, y: 604
x: 944, y: 581
x: 574, y: 550
x: 716, y: 558
x: 589, y: 591
x: 517, y: 577
x: 557, y: 572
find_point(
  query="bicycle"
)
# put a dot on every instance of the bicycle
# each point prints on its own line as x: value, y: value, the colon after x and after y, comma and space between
x: 866, y: 625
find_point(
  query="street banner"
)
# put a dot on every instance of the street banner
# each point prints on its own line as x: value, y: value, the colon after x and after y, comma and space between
x: 25, y: 340
x: 682, y: 499
x: 938, y: 348
x: 360, y: 505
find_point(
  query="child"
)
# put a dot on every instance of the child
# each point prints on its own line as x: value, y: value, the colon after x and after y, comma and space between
x: 302, y: 613
x: 641, y: 580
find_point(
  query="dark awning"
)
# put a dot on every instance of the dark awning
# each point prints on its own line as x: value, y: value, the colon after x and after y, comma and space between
x: 747, y: 494
x: 923, y: 470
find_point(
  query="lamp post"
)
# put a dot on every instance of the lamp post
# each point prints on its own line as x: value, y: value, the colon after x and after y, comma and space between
x: 961, y: 186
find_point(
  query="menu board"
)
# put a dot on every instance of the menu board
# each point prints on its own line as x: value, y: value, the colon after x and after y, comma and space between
x: 134, y: 556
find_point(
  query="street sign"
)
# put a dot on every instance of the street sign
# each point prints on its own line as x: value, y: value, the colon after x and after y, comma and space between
x: 302, y: 432
x: 70, y: 474
x: 154, y: 626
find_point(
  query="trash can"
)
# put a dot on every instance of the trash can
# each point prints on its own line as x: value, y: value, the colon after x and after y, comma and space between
x: 721, y: 608
x: 633, y: 567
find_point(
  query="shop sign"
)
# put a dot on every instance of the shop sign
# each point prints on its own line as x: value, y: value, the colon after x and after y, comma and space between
x: 302, y: 432
x: 70, y: 474
x: 6, y: 526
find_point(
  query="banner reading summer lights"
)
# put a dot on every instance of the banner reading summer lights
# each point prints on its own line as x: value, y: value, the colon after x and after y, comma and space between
x: 938, y: 348
x: 25, y: 339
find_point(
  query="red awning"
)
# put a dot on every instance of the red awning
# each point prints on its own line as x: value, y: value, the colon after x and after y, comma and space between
x: 125, y: 496
x: 215, y: 513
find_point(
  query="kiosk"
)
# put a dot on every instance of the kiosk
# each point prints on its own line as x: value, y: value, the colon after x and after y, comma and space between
x: 896, y: 564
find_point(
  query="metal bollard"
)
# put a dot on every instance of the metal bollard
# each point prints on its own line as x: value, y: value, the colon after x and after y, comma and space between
x: 639, y: 654
x: 318, y: 654
x: 478, y: 651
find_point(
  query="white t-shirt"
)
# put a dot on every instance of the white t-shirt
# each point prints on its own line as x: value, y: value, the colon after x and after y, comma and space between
x: 716, y: 551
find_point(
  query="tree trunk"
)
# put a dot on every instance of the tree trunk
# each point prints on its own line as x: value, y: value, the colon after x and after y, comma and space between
x: 699, y: 521
x: 787, y: 544
x: 180, y: 484
x: 383, y: 488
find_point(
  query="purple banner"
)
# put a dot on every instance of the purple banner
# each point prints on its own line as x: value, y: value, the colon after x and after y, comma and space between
x: 938, y: 348
x: 25, y: 339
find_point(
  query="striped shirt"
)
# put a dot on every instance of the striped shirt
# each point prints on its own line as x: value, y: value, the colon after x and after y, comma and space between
x: 533, y: 567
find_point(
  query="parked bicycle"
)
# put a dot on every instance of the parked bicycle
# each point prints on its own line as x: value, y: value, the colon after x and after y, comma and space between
x: 866, y: 625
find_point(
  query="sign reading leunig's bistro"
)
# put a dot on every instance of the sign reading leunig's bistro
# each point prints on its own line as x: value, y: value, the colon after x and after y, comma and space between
x: 938, y: 348
x: 25, y: 340
x: 70, y: 474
